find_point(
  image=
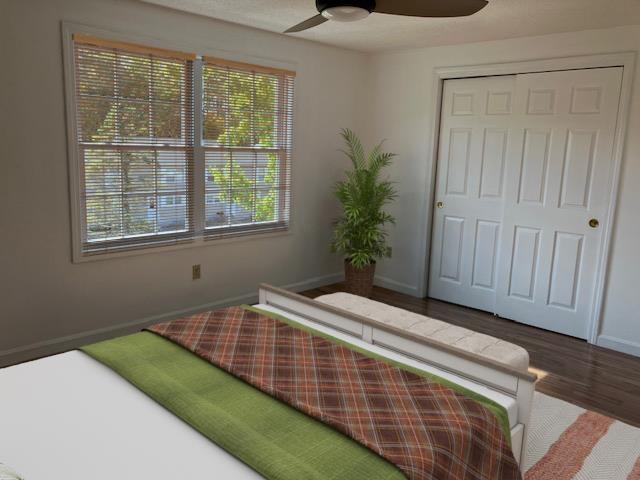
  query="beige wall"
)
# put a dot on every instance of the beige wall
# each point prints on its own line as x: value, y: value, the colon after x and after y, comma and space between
x: 401, y: 95
x: 43, y: 296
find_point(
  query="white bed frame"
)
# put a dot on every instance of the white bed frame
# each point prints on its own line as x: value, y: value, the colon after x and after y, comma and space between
x: 512, y: 382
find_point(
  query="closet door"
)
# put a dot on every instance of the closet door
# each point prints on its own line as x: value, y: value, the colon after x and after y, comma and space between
x: 557, y: 188
x: 476, y: 125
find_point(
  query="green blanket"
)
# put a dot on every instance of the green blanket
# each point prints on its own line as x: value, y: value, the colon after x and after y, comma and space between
x: 273, y: 438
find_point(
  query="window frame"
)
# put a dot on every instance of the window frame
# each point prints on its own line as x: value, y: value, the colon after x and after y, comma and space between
x: 200, y: 237
x: 284, y: 125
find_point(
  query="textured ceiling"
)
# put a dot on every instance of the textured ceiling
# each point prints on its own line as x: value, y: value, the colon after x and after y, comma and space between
x: 500, y: 19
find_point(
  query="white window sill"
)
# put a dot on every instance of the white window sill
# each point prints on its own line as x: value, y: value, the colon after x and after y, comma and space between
x: 198, y: 242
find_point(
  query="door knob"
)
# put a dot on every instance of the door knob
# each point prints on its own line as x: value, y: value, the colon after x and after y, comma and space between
x: 594, y: 223
x: 440, y: 205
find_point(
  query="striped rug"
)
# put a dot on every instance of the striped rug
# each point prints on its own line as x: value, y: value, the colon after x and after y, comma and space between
x: 568, y: 442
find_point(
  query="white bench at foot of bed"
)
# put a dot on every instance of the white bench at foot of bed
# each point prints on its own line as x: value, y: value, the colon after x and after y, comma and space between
x: 509, y: 377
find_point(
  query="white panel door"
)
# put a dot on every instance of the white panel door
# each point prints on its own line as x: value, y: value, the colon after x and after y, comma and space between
x: 558, y: 178
x: 474, y: 136
x: 524, y: 164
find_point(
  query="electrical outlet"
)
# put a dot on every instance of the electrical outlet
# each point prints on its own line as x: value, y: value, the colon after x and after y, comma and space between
x: 195, y: 272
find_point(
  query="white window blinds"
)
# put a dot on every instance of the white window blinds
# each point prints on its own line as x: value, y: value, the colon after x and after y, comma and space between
x: 134, y: 112
x: 247, y: 143
x: 136, y: 115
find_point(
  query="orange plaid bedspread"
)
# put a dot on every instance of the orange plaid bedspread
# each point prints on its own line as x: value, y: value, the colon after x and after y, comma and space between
x: 425, y: 429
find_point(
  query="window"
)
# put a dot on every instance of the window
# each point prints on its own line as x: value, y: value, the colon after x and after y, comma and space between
x: 135, y: 124
x: 246, y: 139
x: 148, y: 119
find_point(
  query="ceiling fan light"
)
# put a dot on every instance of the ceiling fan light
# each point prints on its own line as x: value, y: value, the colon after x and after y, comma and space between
x: 345, y: 14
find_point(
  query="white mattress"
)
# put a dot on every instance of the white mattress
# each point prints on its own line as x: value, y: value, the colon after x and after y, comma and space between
x: 68, y: 417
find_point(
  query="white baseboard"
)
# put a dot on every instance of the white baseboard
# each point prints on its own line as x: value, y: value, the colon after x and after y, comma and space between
x: 315, y: 282
x: 619, y: 344
x: 396, y: 286
x: 69, y: 342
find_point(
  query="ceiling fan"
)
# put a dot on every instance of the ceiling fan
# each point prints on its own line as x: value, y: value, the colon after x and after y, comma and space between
x: 352, y: 10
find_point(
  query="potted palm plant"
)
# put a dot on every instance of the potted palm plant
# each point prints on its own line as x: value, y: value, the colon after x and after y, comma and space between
x: 360, y: 231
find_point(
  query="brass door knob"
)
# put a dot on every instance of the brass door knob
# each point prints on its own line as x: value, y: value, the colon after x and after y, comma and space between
x: 594, y: 223
x: 440, y: 205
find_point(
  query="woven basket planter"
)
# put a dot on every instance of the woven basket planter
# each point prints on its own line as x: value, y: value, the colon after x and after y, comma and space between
x: 359, y: 281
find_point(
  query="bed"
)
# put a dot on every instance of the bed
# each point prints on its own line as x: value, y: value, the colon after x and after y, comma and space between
x: 70, y: 417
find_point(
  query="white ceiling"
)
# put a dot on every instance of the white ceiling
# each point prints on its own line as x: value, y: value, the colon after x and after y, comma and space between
x: 500, y: 19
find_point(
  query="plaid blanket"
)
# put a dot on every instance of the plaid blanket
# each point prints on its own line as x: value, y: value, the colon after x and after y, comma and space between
x: 424, y: 428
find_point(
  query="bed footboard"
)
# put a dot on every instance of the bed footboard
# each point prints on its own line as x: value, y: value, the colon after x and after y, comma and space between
x: 515, y: 383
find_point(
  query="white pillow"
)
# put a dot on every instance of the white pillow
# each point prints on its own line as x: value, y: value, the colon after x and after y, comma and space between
x: 7, y: 474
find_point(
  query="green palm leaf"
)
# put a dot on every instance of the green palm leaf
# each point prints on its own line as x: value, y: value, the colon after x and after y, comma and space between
x: 359, y: 233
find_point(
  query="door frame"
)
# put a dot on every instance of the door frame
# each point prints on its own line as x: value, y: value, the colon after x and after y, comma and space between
x: 627, y: 61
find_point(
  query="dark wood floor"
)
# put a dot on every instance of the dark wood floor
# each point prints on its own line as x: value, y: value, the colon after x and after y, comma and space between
x: 570, y: 369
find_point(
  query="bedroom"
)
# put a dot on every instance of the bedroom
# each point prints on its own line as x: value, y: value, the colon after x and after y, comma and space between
x: 383, y: 77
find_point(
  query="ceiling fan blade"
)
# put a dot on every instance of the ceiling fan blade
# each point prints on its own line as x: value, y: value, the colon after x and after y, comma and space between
x: 312, y: 22
x: 430, y: 8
